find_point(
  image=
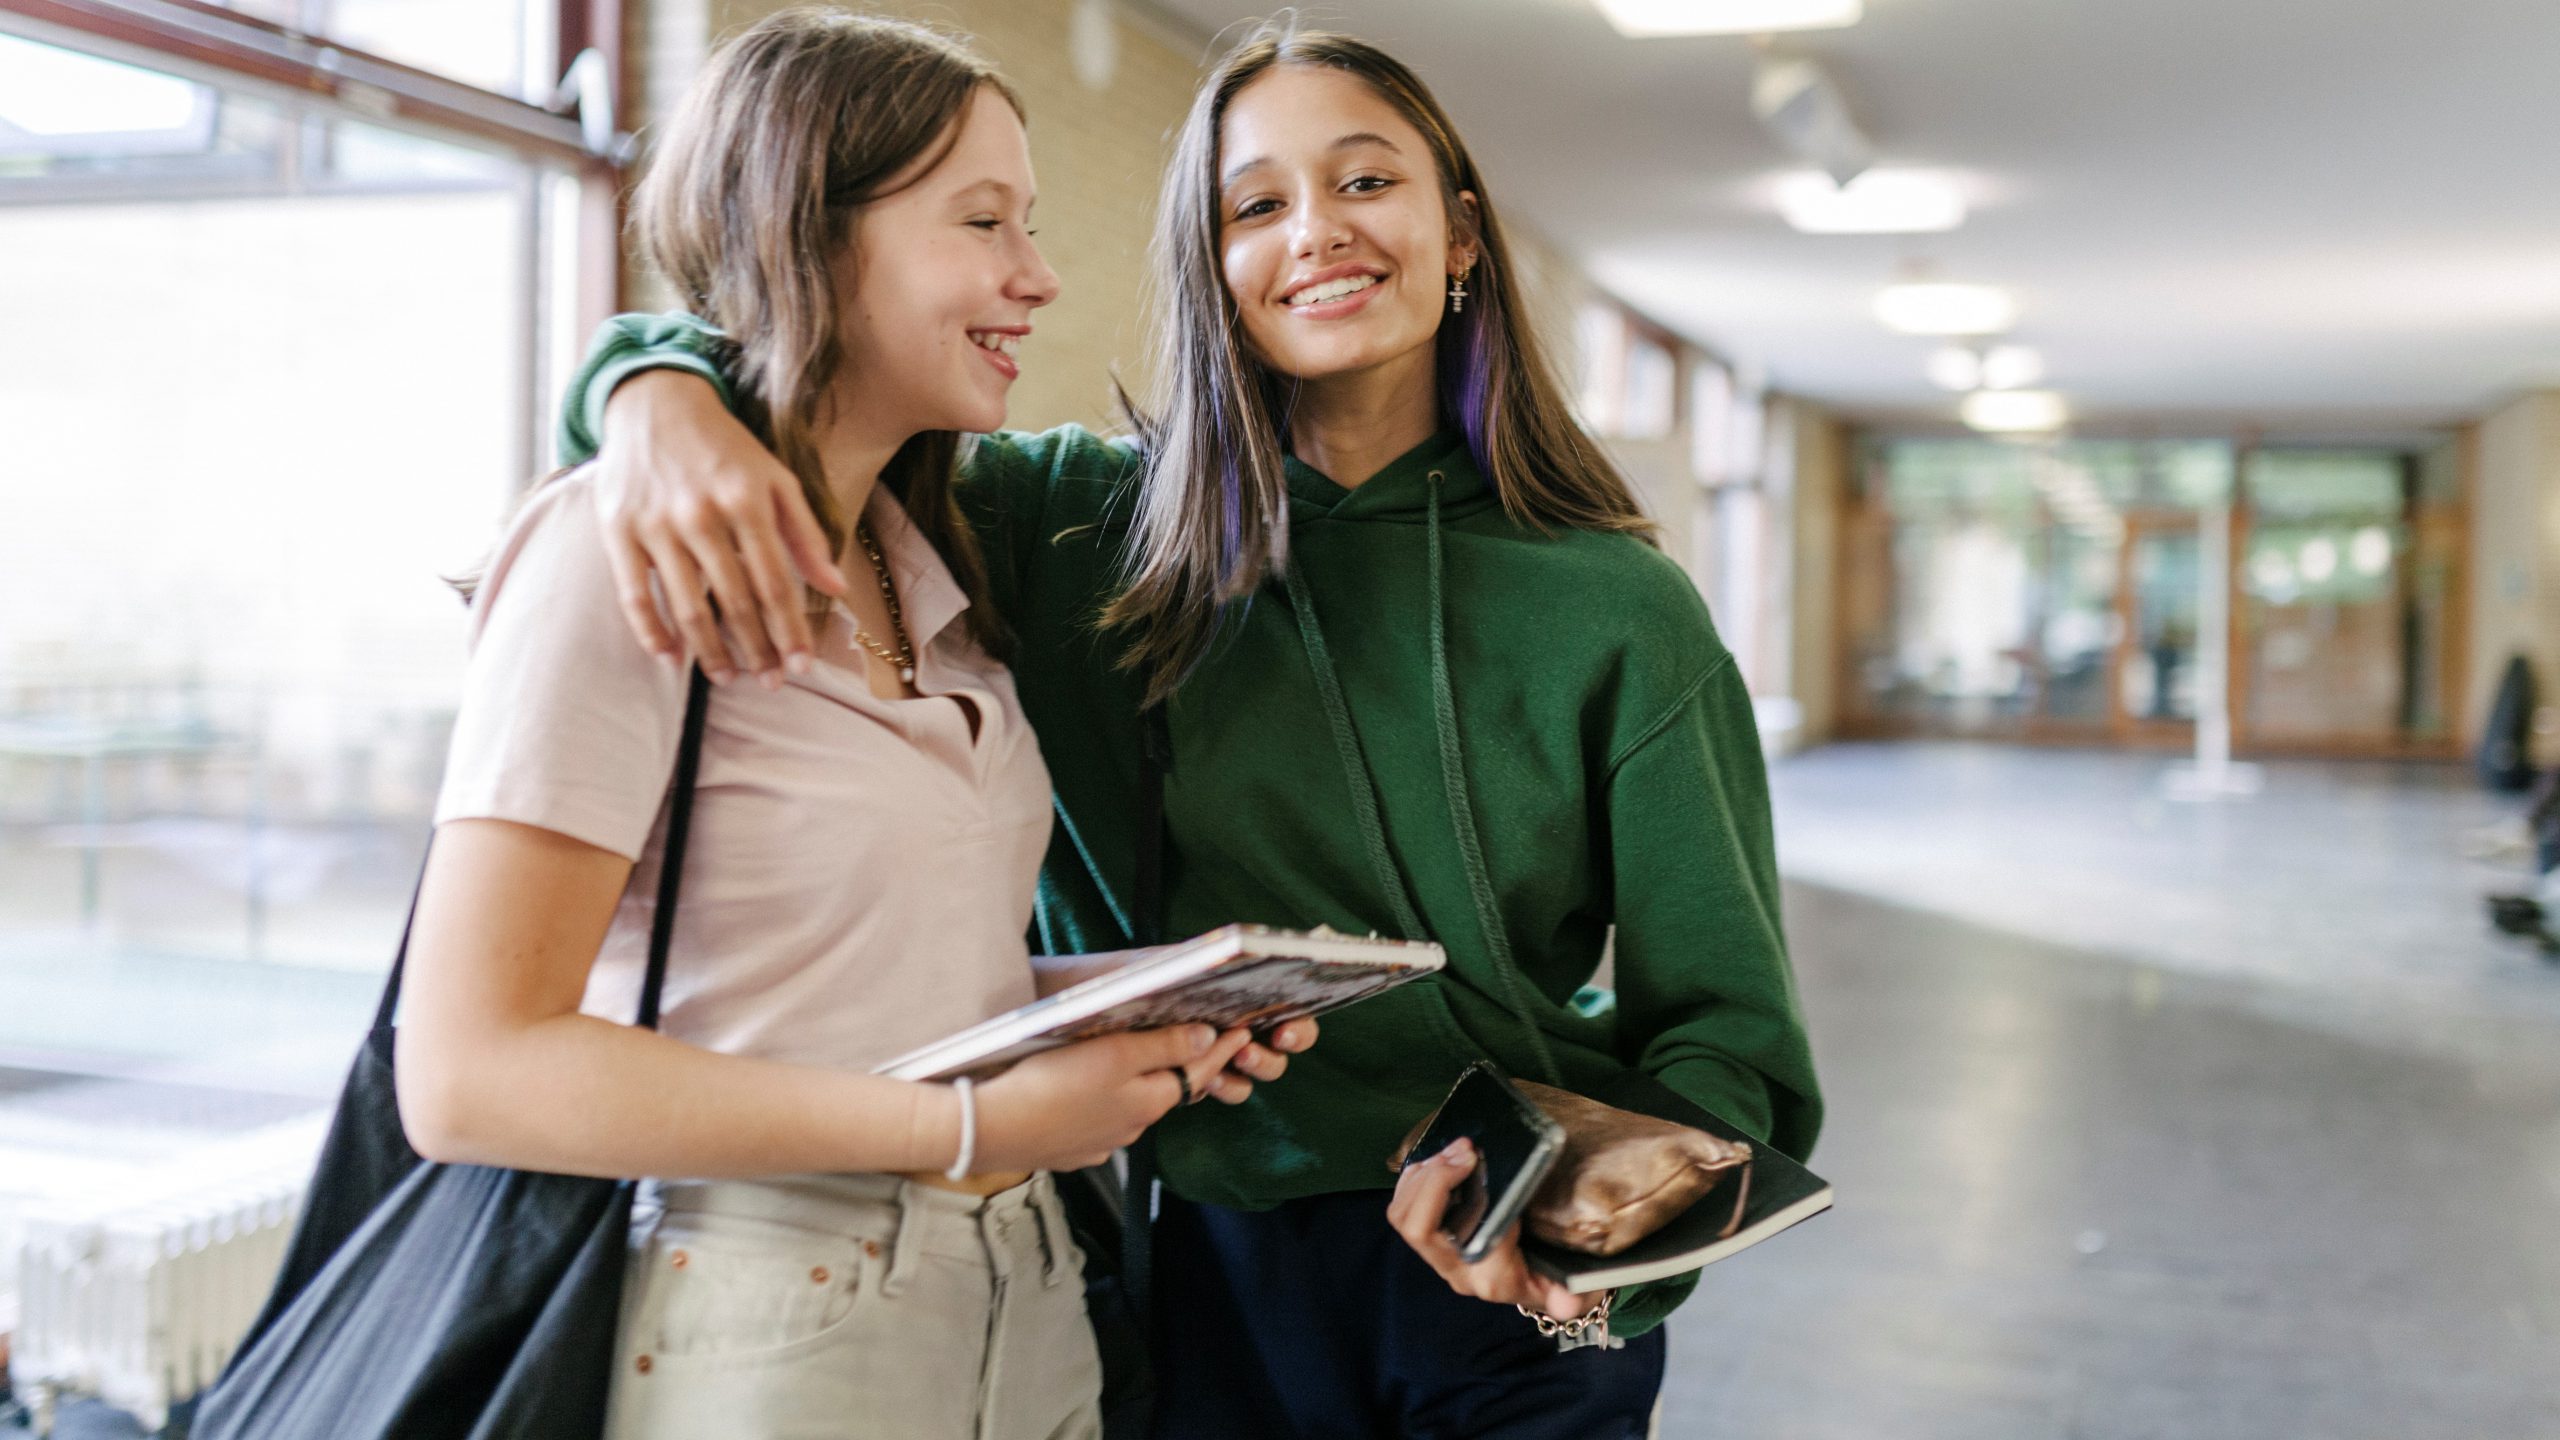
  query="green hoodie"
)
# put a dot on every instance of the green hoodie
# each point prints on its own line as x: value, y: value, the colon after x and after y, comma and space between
x: 1584, y: 717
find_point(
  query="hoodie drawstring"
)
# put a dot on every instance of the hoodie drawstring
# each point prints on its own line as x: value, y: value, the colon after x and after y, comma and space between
x: 1453, y: 775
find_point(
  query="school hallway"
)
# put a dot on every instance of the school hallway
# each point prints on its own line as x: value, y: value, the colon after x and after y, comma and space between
x: 2150, y: 1189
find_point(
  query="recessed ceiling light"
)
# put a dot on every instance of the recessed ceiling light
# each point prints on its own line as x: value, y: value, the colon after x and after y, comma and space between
x: 1935, y: 307
x: 1642, y: 19
x: 2011, y: 367
x: 2014, y: 411
x: 1955, y: 367
x: 1879, y: 202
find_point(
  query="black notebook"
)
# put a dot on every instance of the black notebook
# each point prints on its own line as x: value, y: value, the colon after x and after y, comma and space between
x: 1780, y: 1193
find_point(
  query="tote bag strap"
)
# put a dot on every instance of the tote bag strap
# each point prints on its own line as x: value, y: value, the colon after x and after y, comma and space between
x: 662, y: 926
x: 1146, y: 927
x: 1146, y: 901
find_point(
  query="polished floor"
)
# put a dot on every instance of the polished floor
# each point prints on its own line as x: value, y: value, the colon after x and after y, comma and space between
x: 2353, y: 887
x: 2148, y: 1120
x: 2082, y: 1198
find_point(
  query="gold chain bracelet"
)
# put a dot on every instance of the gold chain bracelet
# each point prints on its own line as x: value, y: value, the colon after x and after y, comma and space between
x: 1572, y: 1329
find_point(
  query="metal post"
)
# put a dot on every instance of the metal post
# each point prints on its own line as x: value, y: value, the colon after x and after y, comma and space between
x: 2212, y: 775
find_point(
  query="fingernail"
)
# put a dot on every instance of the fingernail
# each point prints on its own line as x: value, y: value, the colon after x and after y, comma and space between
x: 1460, y: 1152
x: 1202, y: 1037
x: 722, y: 677
x: 798, y: 663
x: 771, y: 679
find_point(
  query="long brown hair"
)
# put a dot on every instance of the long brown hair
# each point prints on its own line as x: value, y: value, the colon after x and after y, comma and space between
x: 1211, y: 523
x: 795, y: 123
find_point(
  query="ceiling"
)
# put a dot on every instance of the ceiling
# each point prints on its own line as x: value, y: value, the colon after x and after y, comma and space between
x: 2317, y: 214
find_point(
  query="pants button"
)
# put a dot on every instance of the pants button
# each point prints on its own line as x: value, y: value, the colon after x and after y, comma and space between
x: 679, y: 1260
x: 818, y: 1275
x: 641, y: 1364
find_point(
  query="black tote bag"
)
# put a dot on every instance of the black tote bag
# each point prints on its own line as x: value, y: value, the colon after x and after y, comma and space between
x: 1110, y: 1208
x: 424, y: 1301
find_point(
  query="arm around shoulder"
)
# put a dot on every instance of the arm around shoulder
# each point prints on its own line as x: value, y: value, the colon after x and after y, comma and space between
x: 623, y: 347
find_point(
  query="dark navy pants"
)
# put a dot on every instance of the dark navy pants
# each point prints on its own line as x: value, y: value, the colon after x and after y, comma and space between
x: 1315, y: 1321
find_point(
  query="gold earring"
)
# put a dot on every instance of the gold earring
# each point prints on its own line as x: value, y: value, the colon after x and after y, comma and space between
x: 1458, y: 290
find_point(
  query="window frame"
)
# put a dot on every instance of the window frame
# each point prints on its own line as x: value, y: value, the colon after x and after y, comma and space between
x: 204, y: 42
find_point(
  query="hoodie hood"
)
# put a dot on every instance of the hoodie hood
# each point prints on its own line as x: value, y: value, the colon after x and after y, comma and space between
x: 1401, y: 493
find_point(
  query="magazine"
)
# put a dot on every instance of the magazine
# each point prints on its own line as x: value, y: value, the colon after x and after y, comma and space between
x: 1247, y: 976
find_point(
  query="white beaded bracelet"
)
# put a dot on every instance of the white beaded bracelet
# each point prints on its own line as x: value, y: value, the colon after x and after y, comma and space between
x: 968, y: 1130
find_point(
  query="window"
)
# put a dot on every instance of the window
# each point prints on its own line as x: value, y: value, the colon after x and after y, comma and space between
x: 1651, y: 405
x: 281, y: 347
x: 1600, y: 342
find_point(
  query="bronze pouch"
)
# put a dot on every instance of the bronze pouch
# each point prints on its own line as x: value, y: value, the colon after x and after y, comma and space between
x: 1623, y: 1176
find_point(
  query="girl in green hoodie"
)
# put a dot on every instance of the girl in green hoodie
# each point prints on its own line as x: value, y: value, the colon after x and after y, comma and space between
x: 1422, y: 673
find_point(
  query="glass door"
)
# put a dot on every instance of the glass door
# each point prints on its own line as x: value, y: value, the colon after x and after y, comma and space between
x: 2155, y: 663
x: 2347, y: 574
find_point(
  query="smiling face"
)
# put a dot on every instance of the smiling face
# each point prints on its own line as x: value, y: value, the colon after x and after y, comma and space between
x: 1333, y: 237
x: 940, y: 279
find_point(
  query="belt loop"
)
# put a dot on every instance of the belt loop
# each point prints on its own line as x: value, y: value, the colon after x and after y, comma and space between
x: 991, y: 1218
x: 909, y: 1242
x: 1048, y: 1209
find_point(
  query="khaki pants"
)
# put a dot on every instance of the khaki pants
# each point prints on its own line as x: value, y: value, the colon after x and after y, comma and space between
x: 853, y: 1306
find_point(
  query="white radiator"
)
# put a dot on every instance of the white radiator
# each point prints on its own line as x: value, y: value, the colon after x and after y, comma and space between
x: 137, y: 1293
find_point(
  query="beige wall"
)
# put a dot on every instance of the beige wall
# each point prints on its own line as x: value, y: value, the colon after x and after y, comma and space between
x: 1098, y: 154
x: 2515, y: 553
x: 1821, y: 493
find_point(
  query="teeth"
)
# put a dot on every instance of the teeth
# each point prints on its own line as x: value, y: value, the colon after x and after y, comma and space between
x: 1333, y: 290
x: 990, y: 340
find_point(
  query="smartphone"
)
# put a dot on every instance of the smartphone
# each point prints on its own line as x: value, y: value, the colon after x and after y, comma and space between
x: 1516, y: 1145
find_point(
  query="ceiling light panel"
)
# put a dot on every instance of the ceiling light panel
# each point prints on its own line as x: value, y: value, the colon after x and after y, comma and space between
x: 2011, y: 367
x: 2008, y: 412
x: 1647, y: 19
x: 1954, y: 367
x: 1878, y: 202
x: 1938, y: 308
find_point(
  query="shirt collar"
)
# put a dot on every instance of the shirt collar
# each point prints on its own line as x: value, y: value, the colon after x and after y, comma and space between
x: 929, y: 597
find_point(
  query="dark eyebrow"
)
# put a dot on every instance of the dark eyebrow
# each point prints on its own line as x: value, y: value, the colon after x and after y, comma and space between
x: 1352, y: 141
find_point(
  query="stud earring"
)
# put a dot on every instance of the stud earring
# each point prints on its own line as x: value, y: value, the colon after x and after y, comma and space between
x: 1458, y: 290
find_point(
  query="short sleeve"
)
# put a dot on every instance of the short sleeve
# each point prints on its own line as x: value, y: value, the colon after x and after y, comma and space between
x: 567, y: 723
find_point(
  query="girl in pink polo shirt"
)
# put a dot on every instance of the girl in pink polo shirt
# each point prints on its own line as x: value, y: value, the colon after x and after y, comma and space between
x: 824, y: 1251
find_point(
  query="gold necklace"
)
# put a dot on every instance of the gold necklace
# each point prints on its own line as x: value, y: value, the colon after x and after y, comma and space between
x: 903, y: 658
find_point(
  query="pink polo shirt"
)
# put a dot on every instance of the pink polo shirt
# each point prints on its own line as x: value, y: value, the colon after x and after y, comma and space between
x: 861, y: 870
